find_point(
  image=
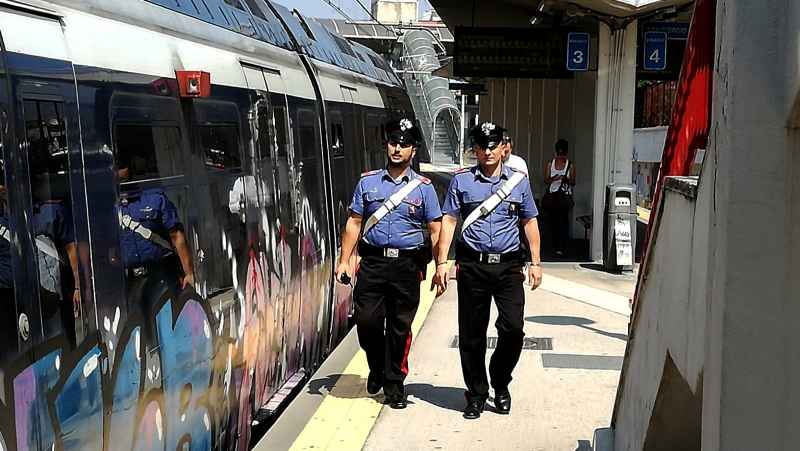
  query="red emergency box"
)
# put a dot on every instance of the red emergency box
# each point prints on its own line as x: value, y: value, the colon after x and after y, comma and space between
x: 194, y: 83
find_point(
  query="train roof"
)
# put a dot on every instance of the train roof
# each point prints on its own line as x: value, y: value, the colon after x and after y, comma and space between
x: 275, y: 24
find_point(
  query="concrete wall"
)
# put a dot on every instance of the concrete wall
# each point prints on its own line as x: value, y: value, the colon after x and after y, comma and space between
x: 539, y: 112
x: 752, y: 396
x: 669, y: 327
x: 733, y: 318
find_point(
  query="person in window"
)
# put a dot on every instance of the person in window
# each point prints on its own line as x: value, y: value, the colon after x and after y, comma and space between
x: 153, y: 245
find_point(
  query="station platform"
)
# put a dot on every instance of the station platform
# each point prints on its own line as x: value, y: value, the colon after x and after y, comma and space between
x: 564, y: 385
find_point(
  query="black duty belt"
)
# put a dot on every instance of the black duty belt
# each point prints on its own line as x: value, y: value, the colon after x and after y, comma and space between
x: 368, y: 250
x: 464, y: 253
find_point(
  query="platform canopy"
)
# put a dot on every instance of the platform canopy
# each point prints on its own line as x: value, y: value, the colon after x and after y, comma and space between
x: 511, y: 13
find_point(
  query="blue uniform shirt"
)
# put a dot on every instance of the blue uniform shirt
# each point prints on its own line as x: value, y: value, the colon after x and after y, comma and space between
x: 153, y: 210
x: 498, y: 232
x: 53, y: 219
x: 402, y: 228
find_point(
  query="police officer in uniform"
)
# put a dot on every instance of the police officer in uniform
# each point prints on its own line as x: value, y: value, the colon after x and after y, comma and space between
x: 154, y: 249
x: 494, y: 200
x: 389, y: 212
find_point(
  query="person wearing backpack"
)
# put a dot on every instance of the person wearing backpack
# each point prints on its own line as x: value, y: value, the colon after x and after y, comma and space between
x: 559, y: 177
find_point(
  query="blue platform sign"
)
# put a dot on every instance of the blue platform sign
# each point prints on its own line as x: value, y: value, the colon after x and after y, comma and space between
x: 578, y: 51
x: 655, y: 50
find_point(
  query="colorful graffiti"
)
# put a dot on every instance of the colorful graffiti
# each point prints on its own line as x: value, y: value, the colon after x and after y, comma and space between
x: 194, y: 386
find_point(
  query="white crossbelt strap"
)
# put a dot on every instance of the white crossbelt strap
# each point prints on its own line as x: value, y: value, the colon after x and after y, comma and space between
x: 134, y: 226
x: 393, y: 202
x: 493, y: 201
x: 41, y: 244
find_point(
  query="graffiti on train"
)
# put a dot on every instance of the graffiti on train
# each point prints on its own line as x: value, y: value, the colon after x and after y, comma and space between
x: 187, y: 379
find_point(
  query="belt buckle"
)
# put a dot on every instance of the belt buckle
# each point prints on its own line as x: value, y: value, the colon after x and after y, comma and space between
x: 140, y: 271
x: 391, y: 253
x: 493, y: 258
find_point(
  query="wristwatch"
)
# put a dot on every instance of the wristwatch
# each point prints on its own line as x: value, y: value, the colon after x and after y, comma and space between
x: 535, y: 264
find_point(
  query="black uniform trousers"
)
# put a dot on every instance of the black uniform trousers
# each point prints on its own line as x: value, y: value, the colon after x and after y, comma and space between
x: 386, y: 299
x: 478, y: 283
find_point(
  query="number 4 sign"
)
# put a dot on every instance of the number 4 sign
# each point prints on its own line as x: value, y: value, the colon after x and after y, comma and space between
x: 578, y: 51
x: 655, y: 50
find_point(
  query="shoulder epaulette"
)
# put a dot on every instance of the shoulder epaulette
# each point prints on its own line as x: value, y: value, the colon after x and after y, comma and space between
x: 364, y: 174
x: 424, y: 179
x: 462, y: 170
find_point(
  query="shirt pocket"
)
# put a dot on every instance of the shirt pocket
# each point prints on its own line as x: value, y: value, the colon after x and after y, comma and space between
x: 510, y: 206
x: 413, y: 206
x: 372, y: 201
x: 472, y: 199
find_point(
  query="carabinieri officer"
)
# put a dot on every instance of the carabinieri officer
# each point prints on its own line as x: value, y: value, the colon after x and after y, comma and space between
x: 398, y: 204
x: 494, y: 201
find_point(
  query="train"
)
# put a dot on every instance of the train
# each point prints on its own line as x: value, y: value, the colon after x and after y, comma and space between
x: 223, y: 137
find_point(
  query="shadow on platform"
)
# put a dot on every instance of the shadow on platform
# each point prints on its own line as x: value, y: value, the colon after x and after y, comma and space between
x: 577, y: 321
x: 449, y: 398
x: 347, y: 386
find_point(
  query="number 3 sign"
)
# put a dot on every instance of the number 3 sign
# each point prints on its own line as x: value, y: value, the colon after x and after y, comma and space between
x: 578, y: 51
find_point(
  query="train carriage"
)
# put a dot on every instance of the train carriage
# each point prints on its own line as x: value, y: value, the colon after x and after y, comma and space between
x: 174, y: 177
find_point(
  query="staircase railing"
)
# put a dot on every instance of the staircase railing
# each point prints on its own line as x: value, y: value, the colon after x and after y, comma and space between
x: 431, y: 96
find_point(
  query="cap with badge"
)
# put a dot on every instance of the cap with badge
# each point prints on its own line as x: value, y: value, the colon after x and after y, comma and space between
x: 487, y: 135
x: 403, y: 131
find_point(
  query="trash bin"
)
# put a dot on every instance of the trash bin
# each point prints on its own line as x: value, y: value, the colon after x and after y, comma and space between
x: 619, y: 228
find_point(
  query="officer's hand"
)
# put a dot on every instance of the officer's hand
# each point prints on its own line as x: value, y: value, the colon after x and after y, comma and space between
x: 188, y: 280
x: 535, y: 276
x: 440, y: 280
x: 343, y: 270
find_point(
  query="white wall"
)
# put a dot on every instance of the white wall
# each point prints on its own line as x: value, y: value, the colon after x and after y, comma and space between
x: 743, y: 302
x: 614, y: 112
x: 753, y: 395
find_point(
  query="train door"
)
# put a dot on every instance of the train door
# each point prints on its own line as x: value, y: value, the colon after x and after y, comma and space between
x: 316, y: 261
x: 45, y: 265
x: 264, y: 140
x: 284, y: 241
x: 354, y: 134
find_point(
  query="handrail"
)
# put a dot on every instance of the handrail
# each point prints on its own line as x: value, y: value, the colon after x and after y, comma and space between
x: 417, y: 74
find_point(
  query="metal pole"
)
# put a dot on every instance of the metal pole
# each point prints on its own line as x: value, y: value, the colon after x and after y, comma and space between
x: 461, y: 132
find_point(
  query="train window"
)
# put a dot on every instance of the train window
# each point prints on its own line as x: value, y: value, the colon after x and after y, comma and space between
x: 146, y: 152
x: 220, y: 144
x: 280, y: 132
x: 52, y: 227
x: 45, y: 130
x: 337, y: 140
x: 306, y: 132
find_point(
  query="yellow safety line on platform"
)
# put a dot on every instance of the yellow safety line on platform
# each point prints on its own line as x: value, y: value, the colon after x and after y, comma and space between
x: 346, y: 416
x: 643, y: 213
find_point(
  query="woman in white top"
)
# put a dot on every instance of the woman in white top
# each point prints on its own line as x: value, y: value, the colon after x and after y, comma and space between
x: 559, y: 175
